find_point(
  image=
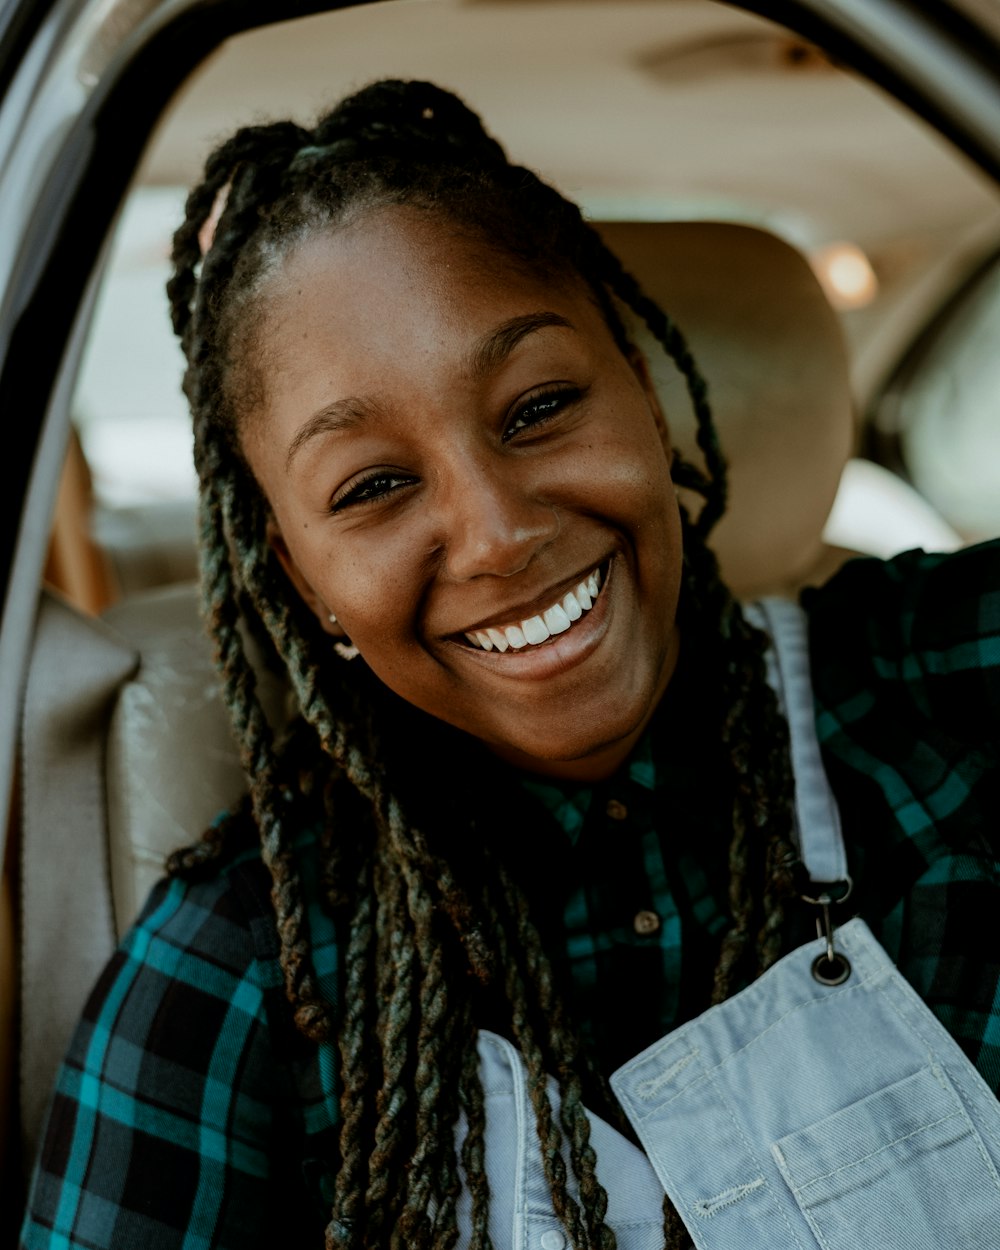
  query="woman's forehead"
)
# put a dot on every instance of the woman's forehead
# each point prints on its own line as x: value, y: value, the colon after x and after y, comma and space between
x: 393, y: 313
x: 400, y: 278
x: 434, y: 248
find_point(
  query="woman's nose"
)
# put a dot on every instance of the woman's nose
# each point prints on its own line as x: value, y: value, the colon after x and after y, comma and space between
x: 494, y: 523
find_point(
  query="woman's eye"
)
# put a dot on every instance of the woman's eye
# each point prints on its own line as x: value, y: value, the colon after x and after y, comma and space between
x: 374, y: 487
x: 540, y: 408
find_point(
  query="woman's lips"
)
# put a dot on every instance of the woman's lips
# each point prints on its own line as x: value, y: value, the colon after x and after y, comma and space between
x: 560, y: 652
x: 535, y: 630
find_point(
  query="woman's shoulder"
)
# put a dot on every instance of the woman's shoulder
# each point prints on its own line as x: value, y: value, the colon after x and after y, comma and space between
x: 905, y: 659
x: 200, y: 951
x: 920, y: 631
x: 916, y: 590
x: 218, y: 926
x: 200, y: 966
x: 192, y: 968
x: 217, y: 917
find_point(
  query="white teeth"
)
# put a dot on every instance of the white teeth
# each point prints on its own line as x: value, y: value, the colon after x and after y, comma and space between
x: 556, y: 620
x: 498, y: 639
x: 535, y: 630
x: 571, y: 606
x: 538, y: 629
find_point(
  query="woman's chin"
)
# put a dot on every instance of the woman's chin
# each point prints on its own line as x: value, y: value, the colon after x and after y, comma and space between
x: 584, y: 746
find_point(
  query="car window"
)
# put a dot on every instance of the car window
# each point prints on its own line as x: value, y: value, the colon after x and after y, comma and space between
x: 939, y: 412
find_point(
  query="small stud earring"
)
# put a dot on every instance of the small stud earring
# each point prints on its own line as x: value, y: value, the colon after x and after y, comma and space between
x: 343, y: 646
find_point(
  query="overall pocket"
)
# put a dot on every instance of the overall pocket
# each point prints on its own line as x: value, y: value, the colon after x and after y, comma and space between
x: 902, y: 1169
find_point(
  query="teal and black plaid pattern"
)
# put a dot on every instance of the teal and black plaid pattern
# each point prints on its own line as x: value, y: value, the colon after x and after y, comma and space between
x: 634, y: 910
x: 191, y: 1114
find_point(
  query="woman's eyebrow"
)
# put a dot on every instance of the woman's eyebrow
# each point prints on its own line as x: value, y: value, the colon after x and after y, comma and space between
x: 493, y: 349
x: 485, y: 357
x: 342, y: 414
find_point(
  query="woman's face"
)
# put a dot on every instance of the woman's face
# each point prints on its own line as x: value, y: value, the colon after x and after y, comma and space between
x: 457, y: 455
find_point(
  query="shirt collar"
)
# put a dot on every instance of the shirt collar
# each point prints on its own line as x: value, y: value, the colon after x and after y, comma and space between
x: 569, y: 802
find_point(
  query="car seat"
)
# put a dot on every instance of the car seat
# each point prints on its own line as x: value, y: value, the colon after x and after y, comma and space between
x: 126, y: 748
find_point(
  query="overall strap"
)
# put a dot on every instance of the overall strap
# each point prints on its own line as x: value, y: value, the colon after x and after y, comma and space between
x: 817, y: 820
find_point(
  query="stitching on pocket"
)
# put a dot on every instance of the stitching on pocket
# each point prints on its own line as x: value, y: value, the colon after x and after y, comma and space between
x: 873, y: 1153
x: 811, y: 1208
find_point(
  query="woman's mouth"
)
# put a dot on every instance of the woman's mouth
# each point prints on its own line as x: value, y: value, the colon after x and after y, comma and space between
x: 537, y: 630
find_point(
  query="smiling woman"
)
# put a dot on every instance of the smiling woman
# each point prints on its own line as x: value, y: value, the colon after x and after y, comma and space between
x: 545, y: 816
x: 487, y: 449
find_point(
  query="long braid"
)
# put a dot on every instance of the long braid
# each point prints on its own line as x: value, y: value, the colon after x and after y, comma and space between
x: 190, y: 297
x: 431, y: 1180
x: 473, y: 1146
x: 564, y: 1049
x: 271, y: 806
x: 549, y: 1136
x: 421, y: 937
x: 397, y: 975
x: 354, y: 1038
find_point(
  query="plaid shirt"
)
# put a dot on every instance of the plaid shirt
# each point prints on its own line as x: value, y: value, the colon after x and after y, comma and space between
x: 189, y: 1113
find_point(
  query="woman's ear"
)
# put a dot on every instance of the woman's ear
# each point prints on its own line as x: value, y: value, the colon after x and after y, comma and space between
x: 276, y: 541
x: 640, y: 368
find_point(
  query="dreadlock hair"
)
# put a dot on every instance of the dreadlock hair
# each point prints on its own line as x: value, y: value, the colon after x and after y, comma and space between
x: 423, y: 903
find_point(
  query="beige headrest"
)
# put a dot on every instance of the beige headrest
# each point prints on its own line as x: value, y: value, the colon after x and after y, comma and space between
x: 772, y: 351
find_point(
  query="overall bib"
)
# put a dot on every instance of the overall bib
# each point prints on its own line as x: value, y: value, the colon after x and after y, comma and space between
x: 797, y: 1114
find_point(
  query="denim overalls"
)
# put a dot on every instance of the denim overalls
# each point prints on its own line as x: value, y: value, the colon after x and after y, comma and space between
x: 799, y: 1113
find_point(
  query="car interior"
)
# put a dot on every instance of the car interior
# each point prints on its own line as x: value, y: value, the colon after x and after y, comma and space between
x: 833, y: 261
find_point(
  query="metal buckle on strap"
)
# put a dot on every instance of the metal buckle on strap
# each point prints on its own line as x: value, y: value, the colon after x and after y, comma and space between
x: 832, y: 967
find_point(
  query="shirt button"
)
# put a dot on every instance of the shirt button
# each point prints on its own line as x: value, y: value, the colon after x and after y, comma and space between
x: 552, y: 1240
x: 616, y: 811
x: 646, y: 922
